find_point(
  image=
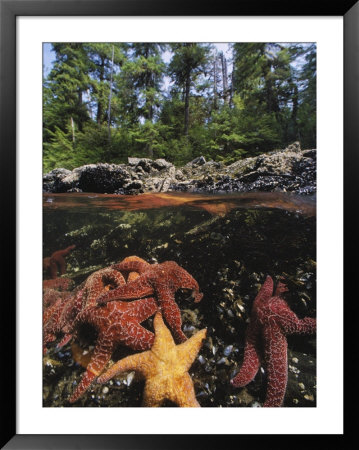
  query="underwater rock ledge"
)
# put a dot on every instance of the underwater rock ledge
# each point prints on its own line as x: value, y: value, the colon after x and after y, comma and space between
x: 291, y: 169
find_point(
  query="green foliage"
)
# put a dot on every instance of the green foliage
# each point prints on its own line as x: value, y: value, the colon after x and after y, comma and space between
x: 104, y: 102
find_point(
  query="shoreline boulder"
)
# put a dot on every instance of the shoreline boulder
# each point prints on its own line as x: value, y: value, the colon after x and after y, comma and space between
x: 291, y: 169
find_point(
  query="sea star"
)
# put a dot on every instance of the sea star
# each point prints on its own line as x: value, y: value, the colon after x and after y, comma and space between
x: 50, y: 296
x: 61, y: 309
x: 60, y: 284
x: 116, y: 323
x: 56, y: 262
x: 60, y: 317
x: 165, y: 367
x: 98, y: 282
x: 133, y: 266
x: 271, y: 321
x: 161, y: 280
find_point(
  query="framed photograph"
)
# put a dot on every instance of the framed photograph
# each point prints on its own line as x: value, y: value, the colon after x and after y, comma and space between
x: 175, y: 235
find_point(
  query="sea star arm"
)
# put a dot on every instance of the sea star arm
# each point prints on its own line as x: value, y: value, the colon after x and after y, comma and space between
x: 289, y: 321
x: 48, y: 337
x: 53, y: 268
x: 97, y: 282
x: 153, y: 396
x: 52, y: 310
x: 65, y: 340
x: 133, y: 334
x: 163, y: 337
x: 251, y: 361
x: 171, y: 313
x: 57, y: 258
x: 180, y: 278
x: 101, y: 355
x: 280, y: 289
x: 180, y: 390
x: 184, y: 394
x: 65, y: 251
x: 275, y: 354
x: 113, y: 276
x: 140, y: 287
x: 136, y: 336
x: 129, y: 330
x: 62, y: 265
x: 141, y: 309
x: 132, y: 264
x: 99, y: 359
x: 69, y: 313
x: 266, y: 291
x: 188, y: 350
x: 140, y: 362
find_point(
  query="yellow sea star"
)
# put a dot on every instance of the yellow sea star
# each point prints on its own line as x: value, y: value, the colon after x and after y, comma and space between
x: 165, y: 367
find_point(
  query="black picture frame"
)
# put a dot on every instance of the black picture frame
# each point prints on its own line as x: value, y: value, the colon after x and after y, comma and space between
x: 9, y: 10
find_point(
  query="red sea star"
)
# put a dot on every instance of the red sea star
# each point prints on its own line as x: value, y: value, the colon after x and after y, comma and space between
x: 116, y: 323
x: 60, y: 284
x: 271, y: 321
x: 163, y: 280
x: 58, y: 317
x: 61, y: 316
x: 64, y: 308
x: 98, y: 282
x: 56, y: 262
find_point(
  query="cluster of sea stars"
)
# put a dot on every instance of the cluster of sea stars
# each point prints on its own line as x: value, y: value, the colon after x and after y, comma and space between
x: 116, y: 308
x: 117, y: 299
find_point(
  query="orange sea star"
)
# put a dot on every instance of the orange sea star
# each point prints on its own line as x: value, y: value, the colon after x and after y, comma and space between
x: 165, y: 367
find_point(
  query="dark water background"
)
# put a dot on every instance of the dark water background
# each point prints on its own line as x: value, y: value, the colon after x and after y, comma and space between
x: 229, y: 244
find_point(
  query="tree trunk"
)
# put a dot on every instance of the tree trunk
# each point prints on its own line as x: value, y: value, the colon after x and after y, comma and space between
x: 149, y: 150
x: 225, y: 79
x: 186, y: 104
x: 295, y: 111
x: 215, y: 105
x: 110, y: 96
x: 99, y: 115
x: 73, y: 130
x: 231, y: 90
x: 80, y: 117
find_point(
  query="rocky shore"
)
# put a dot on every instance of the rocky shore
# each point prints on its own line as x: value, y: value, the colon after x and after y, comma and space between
x: 291, y: 169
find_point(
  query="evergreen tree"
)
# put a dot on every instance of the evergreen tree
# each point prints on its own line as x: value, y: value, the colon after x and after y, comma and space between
x: 143, y: 74
x: 65, y: 88
x: 101, y: 69
x: 103, y: 102
x: 307, y: 99
x: 189, y: 61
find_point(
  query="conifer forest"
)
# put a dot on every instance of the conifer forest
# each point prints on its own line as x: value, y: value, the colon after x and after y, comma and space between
x: 104, y: 102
